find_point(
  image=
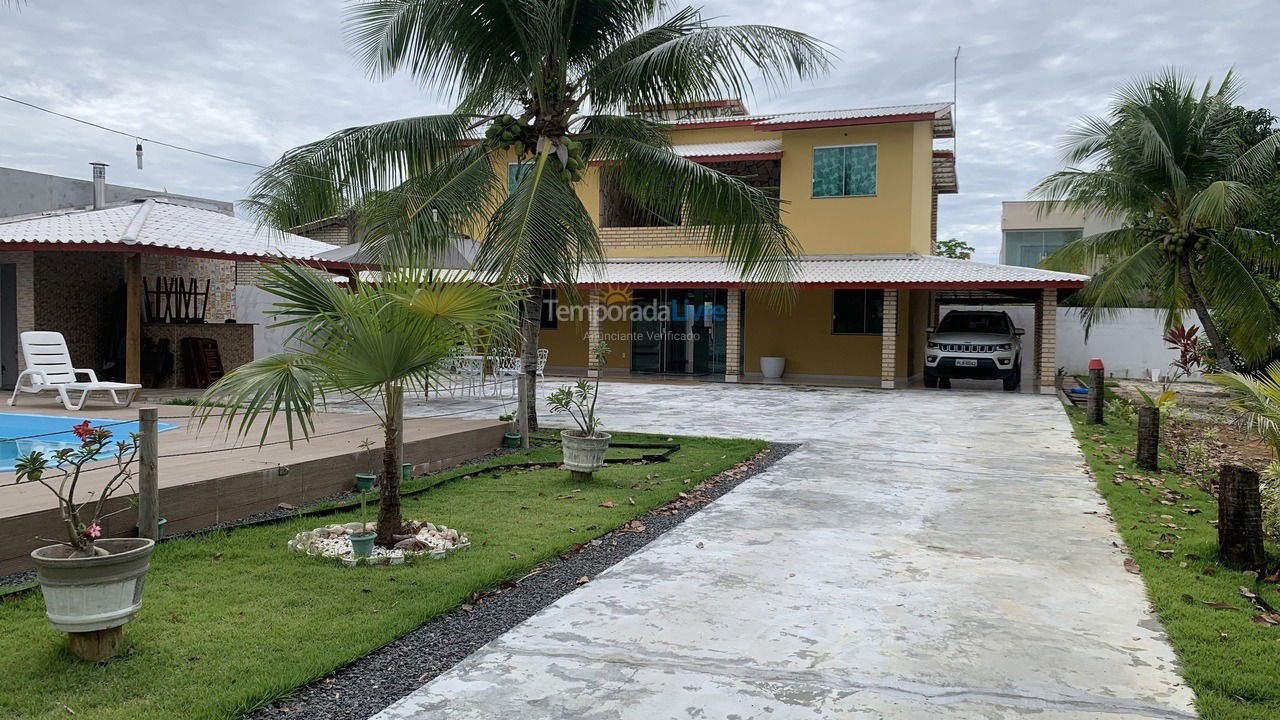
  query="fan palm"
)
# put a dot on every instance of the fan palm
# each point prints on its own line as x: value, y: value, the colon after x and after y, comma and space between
x: 551, y: 85
x: 1172, y: 164
x: 1256, y: 402
x: 370, y: 341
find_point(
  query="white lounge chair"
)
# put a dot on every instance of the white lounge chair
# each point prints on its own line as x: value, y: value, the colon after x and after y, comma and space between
x: 49, y: 368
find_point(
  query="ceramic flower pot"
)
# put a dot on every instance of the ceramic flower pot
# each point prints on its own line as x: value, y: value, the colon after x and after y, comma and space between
x: 364, y: 481
x: 583, y: 454
x: 86, y: 594
x: 772, y: 367
x: 362, y: 543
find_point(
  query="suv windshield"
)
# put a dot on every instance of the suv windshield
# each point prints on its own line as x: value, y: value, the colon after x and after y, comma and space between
x: 958, y: 322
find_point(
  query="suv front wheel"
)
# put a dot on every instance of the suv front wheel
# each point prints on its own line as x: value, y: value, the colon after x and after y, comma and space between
x: 1013, y: 380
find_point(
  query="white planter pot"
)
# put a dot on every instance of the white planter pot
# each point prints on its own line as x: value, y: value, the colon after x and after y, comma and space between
x: 772, y: 367
x: 93, y: 593
x: 583, y: 454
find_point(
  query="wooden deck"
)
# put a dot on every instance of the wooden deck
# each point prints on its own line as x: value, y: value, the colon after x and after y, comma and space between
x: 206, y: 477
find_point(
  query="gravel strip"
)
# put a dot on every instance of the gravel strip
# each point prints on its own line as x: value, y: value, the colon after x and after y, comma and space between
x: 387, y: 674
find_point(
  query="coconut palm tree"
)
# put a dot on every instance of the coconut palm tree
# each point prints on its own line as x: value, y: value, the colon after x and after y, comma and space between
x: 370, y: 341
x: 543, y: 88
x: 1171, y: 162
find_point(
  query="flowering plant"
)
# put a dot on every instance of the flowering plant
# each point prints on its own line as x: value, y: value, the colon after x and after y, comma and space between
x: 60, y: 472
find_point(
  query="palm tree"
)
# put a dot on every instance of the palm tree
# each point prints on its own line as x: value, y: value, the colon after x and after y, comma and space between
x: 1255, y: 402
x: 371, y: 341
x: 549, y: 85
x: 1172, y: 164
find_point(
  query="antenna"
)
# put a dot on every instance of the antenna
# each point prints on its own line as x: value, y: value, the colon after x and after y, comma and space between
x: 955, y: 82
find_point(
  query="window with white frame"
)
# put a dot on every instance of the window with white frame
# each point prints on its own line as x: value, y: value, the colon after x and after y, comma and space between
x: 844, y: 171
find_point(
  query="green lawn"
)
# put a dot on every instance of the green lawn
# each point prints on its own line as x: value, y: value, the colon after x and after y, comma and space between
x: 1232, y: 663
x: 232, y: 620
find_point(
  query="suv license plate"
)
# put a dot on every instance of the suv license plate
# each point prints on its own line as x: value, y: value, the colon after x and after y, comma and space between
x: 966, y: 363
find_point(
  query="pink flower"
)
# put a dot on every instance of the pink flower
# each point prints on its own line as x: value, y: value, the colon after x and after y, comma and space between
x: 83, y: 431
x: 93, y: 531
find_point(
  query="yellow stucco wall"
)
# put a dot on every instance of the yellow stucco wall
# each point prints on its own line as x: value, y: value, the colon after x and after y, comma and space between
x: 802, y: 334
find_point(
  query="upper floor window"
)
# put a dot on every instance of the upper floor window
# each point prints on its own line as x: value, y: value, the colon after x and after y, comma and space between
x: 516, y: 173
x: 857, y: 312
x: 844, y: 171
x: 1028, y: 247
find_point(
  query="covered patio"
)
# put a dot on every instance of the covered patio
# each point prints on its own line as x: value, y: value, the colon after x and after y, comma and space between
x: 846, y: 319
x: 143, y: 292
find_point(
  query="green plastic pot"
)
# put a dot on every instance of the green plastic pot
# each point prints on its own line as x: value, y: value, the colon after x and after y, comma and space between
x: 362, y: 543
x: 406, y: 472
x: 160, y: 527
x: 511, y: 440
x: 364, y: 481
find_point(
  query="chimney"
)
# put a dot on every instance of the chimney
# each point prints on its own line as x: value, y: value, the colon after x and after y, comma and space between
x: 99, y: 185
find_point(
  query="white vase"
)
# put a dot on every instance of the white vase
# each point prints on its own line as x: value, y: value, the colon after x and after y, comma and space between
x: 583, y: 454
x: 93, y: 593
x: 772, y: 367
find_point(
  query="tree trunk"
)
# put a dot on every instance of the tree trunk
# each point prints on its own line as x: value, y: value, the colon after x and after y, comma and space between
x: 530, y: 328
x: 1148, y: 453
x: 389, y: 519
x: 1240, y: 518
x: 1206, y: 320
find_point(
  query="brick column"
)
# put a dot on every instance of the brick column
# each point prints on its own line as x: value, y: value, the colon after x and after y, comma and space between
x: 733, y: 336
x: 1047, y: 339
x: 889, y: 341
x: 594, y: 313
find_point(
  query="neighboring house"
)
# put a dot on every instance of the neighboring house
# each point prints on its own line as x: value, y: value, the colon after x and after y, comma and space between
x: 1128, y: 340
x: 859, y: 191
x: 1031, y: 230
x: 126, y: 274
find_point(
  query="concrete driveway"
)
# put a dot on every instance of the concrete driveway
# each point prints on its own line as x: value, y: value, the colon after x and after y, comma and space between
x: 924, y: 554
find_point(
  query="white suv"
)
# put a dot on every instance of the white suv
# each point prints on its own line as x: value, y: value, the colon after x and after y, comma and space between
x: 974, y: 344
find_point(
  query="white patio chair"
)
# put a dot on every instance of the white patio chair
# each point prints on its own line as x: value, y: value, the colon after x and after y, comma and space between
x: 508, y: 367
x: 49, y: 369
x: 471, y: 374
x: 543, y: 354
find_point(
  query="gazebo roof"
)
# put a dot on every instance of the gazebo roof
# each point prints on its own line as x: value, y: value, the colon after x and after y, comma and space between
x: 160, y: 226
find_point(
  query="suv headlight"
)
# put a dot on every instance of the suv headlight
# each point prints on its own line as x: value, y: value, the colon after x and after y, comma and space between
x: 934, y: 346
x: 1005, y: 347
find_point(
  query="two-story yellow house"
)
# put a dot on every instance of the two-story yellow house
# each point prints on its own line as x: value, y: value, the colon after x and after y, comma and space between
x: 859, y: 191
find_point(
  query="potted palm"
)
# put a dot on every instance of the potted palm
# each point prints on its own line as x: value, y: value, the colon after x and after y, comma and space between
x: 511, y: 438
x: 362, y: 542
x: 585, y: 446
x: 91, y: 585
x: 364, y: 480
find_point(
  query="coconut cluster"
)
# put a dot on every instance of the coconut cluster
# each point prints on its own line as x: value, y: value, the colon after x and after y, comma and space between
x: 1174, y: 241
x: 568, y: 154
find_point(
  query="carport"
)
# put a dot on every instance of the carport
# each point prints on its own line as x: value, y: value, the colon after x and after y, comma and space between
x: 848, y: 319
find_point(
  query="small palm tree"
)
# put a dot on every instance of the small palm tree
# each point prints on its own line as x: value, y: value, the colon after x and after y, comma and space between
x: 553, y: 85
x: 372, y: 341
x: 1172, y: 164
x: 1256, y: 402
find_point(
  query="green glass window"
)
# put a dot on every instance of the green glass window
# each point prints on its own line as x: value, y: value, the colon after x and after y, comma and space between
x: 846, y: 171
x: 857, y: 312
x: 1028, y: 247
x: 516, y: 173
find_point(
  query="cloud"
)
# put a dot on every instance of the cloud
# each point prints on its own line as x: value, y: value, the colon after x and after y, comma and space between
x: 252, y: 79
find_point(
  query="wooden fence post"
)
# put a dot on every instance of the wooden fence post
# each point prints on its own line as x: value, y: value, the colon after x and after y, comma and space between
x: 1148, y: 450
x: 1097, y: 390
x: 148, y: 474
x: 522, y: 412
x: 1240, y: 518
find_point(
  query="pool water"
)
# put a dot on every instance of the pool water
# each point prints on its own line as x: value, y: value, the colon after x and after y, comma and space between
x: 22, y: 434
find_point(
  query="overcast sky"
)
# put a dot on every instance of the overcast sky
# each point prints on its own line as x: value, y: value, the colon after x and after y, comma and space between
x: 252, y: 79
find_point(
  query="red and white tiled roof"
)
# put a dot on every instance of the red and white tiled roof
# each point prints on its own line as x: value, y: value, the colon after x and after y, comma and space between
x: 901, y: 270
x: 738, y: 149
x: 938, y: 113
x: 161, y: 224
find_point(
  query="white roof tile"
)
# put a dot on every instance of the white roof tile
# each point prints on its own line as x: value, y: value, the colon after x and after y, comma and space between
x: 856, y: 113
x: 162, y: 224
x: 905, y: 269
x: 742, y: 147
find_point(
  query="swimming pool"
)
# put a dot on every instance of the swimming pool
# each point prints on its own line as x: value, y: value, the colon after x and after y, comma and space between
x: 53, y: 432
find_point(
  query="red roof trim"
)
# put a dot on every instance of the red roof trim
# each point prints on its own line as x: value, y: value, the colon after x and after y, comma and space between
x: 769, y: 126
x: 732, y: 158
x: 953, y: 285
x: 154, y: 250
x: 944, y: 154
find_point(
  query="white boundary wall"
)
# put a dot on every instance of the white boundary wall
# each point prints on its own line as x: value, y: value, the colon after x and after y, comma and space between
x: 1130, y: 344
x: 253, y: 305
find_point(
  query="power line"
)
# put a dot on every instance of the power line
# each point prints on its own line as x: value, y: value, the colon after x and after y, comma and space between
x: 135, y: 136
